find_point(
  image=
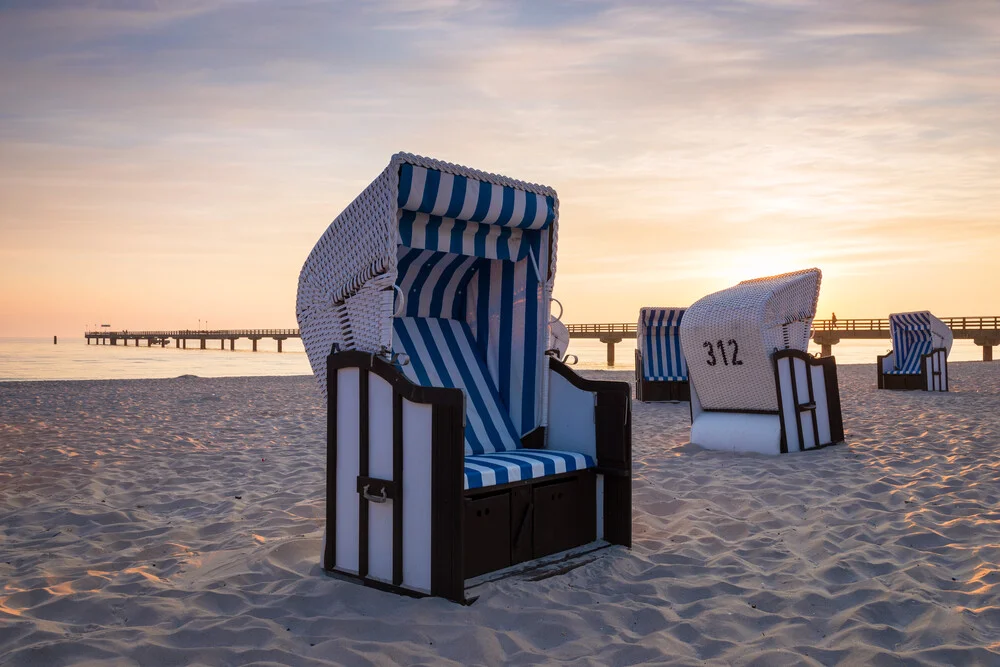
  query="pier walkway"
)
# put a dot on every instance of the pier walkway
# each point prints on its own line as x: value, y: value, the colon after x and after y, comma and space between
x: 180, y: 337
x: 983, y: 331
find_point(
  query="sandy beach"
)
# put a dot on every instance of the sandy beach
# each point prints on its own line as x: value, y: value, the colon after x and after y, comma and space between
x: 178, y: 522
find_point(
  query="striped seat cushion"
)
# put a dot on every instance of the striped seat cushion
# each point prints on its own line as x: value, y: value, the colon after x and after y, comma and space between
x: 500, y: 468
x: 443, y: 353
x: 910, y: 365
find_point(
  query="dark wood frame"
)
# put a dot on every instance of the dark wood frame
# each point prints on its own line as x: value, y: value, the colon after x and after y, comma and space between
x: 911, y: 381
x: 451, y: 556
x: 649, y: 391
x: 832, y: 386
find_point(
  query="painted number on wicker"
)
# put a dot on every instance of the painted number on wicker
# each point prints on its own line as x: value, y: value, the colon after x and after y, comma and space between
x: 726, y: 361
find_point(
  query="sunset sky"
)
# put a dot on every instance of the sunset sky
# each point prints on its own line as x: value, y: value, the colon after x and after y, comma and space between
x: 171, y: 161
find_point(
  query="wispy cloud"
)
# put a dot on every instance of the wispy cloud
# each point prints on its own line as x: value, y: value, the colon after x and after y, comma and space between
x: 859, y: 135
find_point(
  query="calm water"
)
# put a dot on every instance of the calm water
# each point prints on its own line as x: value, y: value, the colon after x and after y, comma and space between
x: 73, y: 359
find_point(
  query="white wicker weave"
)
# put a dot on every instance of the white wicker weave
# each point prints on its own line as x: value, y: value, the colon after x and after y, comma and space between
x: 345, y: 294
x: 728, y: 337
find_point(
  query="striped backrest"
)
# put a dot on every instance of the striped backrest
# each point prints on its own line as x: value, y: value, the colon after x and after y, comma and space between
x: 658, y: 339
x: 447, y: 195
x: 435, y: 284
x: 478, y: 248
x: 443, y: 353
x: 911, y: 337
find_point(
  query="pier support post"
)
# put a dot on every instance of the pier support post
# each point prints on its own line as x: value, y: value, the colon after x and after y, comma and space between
x: 203, y: 343
x: 254, y: 344
x: 222, y: 343
x: 177, y: 343
x: 55, y: 340
x: 826, y: 340
x: 279, y: 343
x: 149, y: 342
x: 114, y: 341
x: 610, y: 341
x: 987, y: 343
x: 185, y: 342
x: 232, y: 344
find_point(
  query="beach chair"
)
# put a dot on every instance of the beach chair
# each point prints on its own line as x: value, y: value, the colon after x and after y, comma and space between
x: 754, y: 388
x: 660, y: 371
x: 456, y: 446
x: 919, y: 356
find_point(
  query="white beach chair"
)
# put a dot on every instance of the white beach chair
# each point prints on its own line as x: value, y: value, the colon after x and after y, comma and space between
x: 753, y: 385
x: 456, y: 446
x: 660, y: 371
x: 919, y: 357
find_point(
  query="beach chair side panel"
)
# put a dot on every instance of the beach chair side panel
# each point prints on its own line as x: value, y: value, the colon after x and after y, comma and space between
x: 595, y: 418
x: 808, y: 401
x: 394, y: 479
x: 934, y: 370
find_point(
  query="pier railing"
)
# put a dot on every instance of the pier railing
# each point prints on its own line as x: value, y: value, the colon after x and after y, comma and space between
x: 983, y: 330
x: 195, y: 333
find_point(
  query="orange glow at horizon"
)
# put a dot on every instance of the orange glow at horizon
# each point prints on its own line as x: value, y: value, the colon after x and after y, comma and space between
x: 165, y: 166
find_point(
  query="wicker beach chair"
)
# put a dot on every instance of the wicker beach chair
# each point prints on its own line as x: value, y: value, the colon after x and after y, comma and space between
x: 919, y: 357
x: 660, y: 371
x: 754, y: 388
x: 456, y: 446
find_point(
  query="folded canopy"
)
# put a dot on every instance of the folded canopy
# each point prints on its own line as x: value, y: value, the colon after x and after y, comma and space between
x: 728, y: 337
x: 462, y: 251
x: 914, y: 335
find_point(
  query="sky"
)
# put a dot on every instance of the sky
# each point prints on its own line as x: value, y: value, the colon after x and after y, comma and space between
x: 171, y: 164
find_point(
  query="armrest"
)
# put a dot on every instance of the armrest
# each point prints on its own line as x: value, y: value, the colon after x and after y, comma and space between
x: 592, y: 417
x: 886, y: 362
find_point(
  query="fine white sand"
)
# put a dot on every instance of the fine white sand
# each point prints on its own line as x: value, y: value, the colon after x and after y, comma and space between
x: 178, y: 522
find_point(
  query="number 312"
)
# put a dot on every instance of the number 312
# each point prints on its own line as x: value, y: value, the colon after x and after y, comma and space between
x: 712, y: 360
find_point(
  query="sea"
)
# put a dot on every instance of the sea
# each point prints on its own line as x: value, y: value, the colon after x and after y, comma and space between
x: 24, y: 359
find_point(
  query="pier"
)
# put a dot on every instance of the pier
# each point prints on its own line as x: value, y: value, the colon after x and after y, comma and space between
x: 983, y: 331
x: 181, y: 337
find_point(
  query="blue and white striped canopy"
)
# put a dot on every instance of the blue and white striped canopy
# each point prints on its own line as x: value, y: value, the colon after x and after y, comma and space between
x: 461, y: 237
x: 658, y: 339
x: 460, y: 198
x: 912, y: 337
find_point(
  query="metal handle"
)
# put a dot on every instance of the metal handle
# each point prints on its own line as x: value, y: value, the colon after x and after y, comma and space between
x: 556, y: 301
x: 375, y: 499
x: 396, y: 289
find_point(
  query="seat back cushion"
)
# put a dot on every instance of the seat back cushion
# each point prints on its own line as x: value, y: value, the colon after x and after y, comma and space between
x: 443, y: 353
x: 914, y: 335
x: 660, y: 345
x: 910, y: 364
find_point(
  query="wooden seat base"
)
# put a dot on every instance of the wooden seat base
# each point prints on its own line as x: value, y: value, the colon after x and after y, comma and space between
x: 651, y: 391
x: 914, y: 381
x: 513, y: 523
